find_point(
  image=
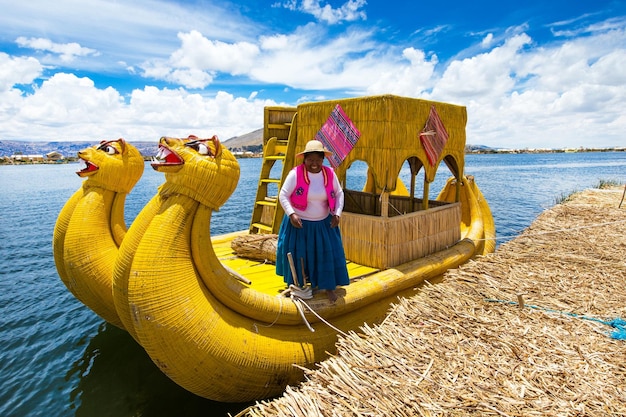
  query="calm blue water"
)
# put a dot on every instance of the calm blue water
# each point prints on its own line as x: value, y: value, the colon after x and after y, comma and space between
x: 59, y: 359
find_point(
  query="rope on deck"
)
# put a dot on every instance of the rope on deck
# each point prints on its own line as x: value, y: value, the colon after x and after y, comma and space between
x: 618, y: 323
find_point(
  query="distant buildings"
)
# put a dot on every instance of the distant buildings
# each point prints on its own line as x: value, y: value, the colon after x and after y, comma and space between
x: 246, y: 154
x: 18, y: 158
x: 54, y: 156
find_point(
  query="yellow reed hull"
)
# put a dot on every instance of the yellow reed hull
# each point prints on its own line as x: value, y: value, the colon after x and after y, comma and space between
x: 90, y: 227
x: 233, y: 342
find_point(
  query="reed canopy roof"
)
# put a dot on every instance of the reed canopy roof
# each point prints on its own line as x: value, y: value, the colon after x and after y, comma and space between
x: 390, y: 128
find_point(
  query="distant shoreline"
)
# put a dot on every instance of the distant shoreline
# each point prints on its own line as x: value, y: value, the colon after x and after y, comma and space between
x: 470, y: 150
x: 6, y: 160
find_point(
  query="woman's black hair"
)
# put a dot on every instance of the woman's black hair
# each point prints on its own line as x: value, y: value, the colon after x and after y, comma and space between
x: 318, y: 153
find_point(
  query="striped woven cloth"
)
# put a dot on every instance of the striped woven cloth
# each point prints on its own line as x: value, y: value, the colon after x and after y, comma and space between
x: 339, y: 135
x: 433, y: 137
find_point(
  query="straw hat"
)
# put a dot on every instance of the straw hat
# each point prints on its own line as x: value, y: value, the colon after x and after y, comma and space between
x: 314, y: 146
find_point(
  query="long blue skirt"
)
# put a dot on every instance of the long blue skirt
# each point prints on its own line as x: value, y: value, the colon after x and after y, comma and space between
x: 319, y: 246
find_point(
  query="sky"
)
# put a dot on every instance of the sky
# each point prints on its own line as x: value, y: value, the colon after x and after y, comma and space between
x: 532, y: 74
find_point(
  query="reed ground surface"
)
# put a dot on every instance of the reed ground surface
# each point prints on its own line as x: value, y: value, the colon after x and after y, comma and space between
x: 530, y: 330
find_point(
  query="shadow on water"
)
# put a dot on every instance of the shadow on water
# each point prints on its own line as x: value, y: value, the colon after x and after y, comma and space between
x: 117, y: 378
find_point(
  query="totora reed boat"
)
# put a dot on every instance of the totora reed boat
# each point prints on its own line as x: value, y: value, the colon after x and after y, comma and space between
x: 210, y: 310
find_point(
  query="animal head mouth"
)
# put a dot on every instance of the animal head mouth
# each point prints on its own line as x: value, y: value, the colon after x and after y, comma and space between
x: 86, y: 168
x: 166, y: 157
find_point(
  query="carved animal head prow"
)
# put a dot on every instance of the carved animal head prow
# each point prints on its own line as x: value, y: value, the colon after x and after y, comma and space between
x: 113, y: 164
x: 201, y: 169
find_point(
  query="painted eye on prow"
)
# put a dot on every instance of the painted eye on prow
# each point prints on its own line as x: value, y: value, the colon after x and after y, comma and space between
x: 203, y: 149
x: 108, y: 148
x: 200, y: 147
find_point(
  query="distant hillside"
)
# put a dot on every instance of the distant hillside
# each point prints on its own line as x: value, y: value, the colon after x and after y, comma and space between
x: 146, y: 148
x: 252, y: 141
x: 67, y: 149
x: 478, y: 149
x: 254, y: 138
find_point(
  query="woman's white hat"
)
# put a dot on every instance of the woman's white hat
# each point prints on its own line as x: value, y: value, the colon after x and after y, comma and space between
x: 314, y: 146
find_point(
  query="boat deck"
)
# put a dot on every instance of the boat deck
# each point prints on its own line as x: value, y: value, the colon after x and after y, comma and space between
x: 263, y: 274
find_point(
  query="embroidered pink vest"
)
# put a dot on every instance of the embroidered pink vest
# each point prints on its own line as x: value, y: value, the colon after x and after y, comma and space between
x: 299, y: 195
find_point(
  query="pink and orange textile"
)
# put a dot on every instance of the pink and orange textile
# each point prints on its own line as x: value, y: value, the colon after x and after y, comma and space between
x: 339, y: 135
x: 433, y: 137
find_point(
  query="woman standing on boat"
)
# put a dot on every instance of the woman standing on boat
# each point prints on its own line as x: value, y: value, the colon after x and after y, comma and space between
x: 312, y: 199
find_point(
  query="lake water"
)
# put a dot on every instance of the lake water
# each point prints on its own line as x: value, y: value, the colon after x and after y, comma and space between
x: 57, y: 358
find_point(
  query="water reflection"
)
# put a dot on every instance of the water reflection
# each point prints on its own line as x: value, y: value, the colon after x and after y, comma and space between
x: 117, y: 378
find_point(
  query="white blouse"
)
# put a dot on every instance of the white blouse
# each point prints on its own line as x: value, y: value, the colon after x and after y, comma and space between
x: 317, y: 200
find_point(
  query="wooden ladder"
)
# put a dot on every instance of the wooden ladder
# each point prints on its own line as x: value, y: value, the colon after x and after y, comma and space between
x: 278, y: 146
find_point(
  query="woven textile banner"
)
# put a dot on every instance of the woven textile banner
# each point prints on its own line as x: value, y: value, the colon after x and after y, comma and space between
x: 433, y: 137
x: 339, y: 135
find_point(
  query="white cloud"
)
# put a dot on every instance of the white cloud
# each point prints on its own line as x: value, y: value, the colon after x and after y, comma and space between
x: 566, y: 92
x: 121, y: 31
x: 154, y: 112
x: 350, y: 11
x: 487, y: 40
x: 306, y: 59
x: 67, y: 107
x: 487, y: 75
x: 66, y: 51
x: 204, y: 54
x: 17, y: 70
x: 65, y: 101
x: 413, y: 80
x: 196, y: 62
x: 616, y: 23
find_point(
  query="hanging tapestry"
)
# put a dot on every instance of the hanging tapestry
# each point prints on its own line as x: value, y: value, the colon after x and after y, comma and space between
x: 433, y: 137
x: 339, y: 135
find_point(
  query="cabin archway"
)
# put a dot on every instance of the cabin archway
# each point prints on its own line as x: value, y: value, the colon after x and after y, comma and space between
x: 415, y: 165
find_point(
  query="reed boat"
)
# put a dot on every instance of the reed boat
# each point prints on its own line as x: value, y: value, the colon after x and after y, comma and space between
x: 217, y: 320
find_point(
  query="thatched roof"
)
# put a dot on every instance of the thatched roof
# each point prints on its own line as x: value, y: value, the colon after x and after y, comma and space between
x: 465, y: 347
x: 389, y: 129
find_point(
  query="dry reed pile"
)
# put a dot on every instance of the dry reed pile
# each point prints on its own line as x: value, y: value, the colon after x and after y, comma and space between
x: 260, y: 247
x: 467, y: 347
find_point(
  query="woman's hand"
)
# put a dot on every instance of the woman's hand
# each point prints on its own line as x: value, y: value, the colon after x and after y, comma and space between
x: 334, y: 222
x: 295, y: 221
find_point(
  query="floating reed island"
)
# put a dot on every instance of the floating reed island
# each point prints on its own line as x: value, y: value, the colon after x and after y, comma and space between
x: 534, y: 329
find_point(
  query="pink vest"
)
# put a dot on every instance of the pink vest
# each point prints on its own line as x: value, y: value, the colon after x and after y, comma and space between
x: 299, y: 195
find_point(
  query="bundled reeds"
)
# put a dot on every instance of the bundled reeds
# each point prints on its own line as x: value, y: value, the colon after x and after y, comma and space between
x: 258, y: 247
x: 384, y: 242
x: 531, y: 330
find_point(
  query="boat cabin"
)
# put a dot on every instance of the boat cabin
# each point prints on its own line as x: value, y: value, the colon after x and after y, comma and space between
x: 384, y: 224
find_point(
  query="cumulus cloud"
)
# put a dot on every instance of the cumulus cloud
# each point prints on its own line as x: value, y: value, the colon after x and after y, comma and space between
x: 487, y: 75
x: 67, y: 107
x: 201, y: 53
x: 525, y: 97
x: 518, y: 93
x: 196, y: 62
x: 303, y: 59
x: 17, y: 70
x: 413, y: 79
